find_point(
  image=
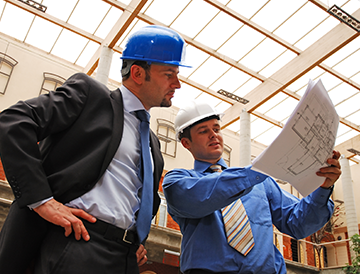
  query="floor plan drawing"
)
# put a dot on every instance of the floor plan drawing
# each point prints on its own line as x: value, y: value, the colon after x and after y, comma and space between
x: 316, y: 138
x: 305, y: 142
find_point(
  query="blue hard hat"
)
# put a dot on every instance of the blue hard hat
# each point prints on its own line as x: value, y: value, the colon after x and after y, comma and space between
x: 156, y: 44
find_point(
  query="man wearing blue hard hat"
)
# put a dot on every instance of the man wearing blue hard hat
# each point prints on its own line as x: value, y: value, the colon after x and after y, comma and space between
x: 85, y: 177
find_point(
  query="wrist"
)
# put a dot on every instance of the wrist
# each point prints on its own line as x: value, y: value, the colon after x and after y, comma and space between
x: 329, y: 188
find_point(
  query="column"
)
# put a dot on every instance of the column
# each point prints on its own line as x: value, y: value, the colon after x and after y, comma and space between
x: 102, y: 73
x: 245, y: 139
x: 349, y: 199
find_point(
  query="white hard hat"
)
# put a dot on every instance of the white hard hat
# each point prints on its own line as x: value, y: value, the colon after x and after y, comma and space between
x: 191, y: 114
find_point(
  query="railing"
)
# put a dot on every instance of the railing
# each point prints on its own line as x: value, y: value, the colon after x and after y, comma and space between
x: 327, y: 255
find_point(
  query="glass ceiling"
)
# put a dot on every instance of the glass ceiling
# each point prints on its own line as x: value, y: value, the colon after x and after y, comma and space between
x: 262, y: 50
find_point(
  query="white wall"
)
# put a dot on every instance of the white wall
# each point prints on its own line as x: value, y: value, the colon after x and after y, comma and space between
x: 27, y: 75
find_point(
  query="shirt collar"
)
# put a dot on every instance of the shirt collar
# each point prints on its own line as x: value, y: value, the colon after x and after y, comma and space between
x: 131, y: 102
x: 202, y: 166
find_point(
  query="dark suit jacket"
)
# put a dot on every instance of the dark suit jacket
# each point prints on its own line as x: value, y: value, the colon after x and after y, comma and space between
x: 79, y: 128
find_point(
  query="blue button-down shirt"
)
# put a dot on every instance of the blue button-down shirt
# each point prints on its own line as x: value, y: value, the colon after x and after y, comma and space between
x: 195, y: 197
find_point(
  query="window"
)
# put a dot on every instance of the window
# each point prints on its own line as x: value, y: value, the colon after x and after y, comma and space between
x: 51, y: 82
x: 7, y: 65
x: 294, y: 249
x: 226, y: 154
x: 166, y: 135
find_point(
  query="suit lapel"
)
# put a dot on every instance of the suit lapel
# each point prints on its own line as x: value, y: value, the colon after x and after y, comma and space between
x: 157, y: 157
x: 118, y: 127
x: 158, y: 168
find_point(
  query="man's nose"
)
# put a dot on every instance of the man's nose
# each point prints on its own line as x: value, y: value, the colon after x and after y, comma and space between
x: 212, y: 134
x: 176, y: 84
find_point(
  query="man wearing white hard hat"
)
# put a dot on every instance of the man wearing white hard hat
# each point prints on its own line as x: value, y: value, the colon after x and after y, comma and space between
x: 85, y: 195
x: 226, y: 214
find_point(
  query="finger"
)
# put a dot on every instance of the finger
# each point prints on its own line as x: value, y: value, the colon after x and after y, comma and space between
x: 81, y: 231
x: 336, y: 155
x: 140, y: 252
x: 142, y: 261
x: 333, y: 163
x: 76, y: 224
x: 330, y: 176
x: 67, y: 227
x: 333, y: 169
x: 84, y: 233
x: 84, y: 215
x: 140, y: 249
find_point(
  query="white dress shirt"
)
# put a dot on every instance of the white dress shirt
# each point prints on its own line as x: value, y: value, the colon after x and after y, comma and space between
x: 115, y: 198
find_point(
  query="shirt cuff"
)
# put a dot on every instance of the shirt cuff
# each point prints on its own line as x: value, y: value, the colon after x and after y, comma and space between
x: 322, y: 195
x: 35, y: 205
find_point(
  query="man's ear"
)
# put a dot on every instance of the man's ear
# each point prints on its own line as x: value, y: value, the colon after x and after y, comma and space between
x: 136, y: 73
x: 185, y: 142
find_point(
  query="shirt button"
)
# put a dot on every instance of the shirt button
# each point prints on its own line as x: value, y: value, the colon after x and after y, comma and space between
x: 257, y: 178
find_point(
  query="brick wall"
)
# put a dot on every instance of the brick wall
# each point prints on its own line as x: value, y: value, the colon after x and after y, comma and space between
x: 310, y: 253
x: 2, y: 174
x: 170, y: 222
x: 287, y: 248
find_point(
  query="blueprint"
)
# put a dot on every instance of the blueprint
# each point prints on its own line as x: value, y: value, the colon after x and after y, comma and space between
x: 305, y: 143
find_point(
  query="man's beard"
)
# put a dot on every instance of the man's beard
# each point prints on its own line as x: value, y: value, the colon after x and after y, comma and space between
x: 165, y: 103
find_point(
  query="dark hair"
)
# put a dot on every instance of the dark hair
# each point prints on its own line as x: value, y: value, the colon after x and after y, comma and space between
x: 186, y: 131
x: 145, y: 65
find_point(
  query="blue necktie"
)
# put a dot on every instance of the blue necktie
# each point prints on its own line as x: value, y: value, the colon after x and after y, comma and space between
x: 144, y: 217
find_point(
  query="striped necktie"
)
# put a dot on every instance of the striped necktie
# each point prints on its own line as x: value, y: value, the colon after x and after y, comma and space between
x: 143, y: 221
x: 237, y: 224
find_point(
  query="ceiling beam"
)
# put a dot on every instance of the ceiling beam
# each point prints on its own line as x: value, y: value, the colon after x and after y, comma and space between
x: 331, y: 42
x: 253, y: 25
x: 205, y: 89
x: 126, y: 18
x: 133, y: 10
x: 116, y: 4
x: 268, y: 119
x: 233, y: 62
x: 244, y: 69
x: 55, y: 21
x: 319, y: 4
x: 207, y: 49
x: 339, y: 76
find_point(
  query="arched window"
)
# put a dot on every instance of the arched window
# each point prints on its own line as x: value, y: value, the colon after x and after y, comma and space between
x: 51, y: 82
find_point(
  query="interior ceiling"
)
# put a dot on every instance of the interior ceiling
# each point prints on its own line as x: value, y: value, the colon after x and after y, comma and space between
x: 264, y: 51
